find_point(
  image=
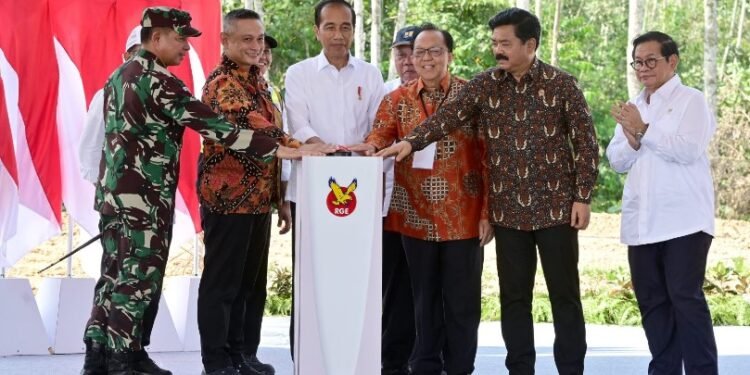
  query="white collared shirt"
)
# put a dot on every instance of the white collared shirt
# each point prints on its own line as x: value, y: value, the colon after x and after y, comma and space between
x: 338, y: 106
x: 669, y: 190
x: 92, y: 139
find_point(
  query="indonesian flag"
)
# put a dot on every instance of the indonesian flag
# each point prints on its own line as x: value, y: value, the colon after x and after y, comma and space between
x: 29, y: 75
x: 82, y: 43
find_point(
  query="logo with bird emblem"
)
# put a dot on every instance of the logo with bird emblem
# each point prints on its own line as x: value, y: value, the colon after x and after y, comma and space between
x: 341, y: 201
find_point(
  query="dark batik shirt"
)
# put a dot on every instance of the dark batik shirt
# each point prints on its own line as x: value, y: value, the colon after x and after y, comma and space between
x: 542, y: 149
x: 228, y: 181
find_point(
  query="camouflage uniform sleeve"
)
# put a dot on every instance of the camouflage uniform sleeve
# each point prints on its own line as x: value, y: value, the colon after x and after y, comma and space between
x: 181, y: 106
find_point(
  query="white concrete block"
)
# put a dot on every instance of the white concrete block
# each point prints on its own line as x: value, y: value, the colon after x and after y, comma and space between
x: 21, y: 328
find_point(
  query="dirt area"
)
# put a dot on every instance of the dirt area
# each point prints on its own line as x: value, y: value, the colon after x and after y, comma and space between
x: 600, y: 249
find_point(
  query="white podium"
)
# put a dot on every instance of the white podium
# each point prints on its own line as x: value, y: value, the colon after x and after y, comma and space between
x: 338, y: 266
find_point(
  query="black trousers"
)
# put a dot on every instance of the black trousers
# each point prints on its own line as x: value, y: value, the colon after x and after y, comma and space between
x: 398, y: 330
x: 256, y: 302
x: 446, y: 279
x: 236, y: 249
x: 668, y: 282
x: 516, y: 267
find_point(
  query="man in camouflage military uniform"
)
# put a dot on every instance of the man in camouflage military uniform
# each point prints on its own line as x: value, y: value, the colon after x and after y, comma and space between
x: 146, y: 112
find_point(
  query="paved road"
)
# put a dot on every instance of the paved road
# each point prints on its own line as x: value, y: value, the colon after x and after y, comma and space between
x: 612, y: 350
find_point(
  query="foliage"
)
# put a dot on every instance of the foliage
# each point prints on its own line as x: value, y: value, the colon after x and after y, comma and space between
x: 279, y: 300
x: 592, y: 46
x: 606, y: 295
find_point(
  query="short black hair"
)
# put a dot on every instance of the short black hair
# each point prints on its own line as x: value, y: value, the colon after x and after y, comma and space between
x: 239, y: 14
x: 319, y: 9
x: 146, y: 34
x: 525, y: 24
x: 431, y: 27
x: 668, y: 45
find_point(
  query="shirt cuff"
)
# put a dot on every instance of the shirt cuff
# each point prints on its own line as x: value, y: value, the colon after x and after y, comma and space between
x: 304, y: 134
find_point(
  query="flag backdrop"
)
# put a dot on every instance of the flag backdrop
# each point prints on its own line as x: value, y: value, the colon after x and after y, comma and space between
x: 54, y: 55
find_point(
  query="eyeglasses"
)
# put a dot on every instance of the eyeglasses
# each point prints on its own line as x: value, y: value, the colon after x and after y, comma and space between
x: 434, y: 52
x: 649, y: 63
x: 401, y: 56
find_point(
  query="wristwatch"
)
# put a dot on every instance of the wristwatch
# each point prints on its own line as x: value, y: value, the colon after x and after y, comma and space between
x: 640, y: 134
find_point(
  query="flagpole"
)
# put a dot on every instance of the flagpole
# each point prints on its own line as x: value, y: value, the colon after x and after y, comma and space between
x: 70, y: 246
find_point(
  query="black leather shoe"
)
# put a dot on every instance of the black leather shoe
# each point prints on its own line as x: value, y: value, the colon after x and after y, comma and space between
x: 257, y: 365
x: 146, y: 365
x: 95, y: 361
x: 245, y: 369
x: 223, y: 371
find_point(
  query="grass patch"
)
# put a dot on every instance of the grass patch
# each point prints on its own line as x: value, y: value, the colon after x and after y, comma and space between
x: 607, y: 296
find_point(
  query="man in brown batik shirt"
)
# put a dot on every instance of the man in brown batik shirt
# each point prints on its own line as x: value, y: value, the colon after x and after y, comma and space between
x: 542, y: 160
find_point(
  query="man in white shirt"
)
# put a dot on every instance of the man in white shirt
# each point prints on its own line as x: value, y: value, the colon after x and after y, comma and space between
x: 661, y: 141
x: 92, y: 138
x: 398, y: 329
x: 332, y: 97
x: 90, y: 154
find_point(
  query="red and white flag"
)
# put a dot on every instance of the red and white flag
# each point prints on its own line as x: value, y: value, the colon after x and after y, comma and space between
x: 48, y: 78
x: 29, y: 74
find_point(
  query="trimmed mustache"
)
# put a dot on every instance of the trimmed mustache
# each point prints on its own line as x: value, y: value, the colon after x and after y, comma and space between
x: 500, y: 56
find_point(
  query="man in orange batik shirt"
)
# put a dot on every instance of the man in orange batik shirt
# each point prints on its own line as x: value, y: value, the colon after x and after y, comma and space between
x: 439, y: 206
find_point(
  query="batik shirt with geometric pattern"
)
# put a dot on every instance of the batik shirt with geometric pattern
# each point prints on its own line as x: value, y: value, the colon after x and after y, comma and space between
x: 146, y: 112
x: 542, y: 149
x: 444, y: 203
x: 228, y: 181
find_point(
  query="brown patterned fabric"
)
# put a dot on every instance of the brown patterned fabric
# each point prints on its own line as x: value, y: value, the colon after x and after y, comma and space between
x: 228, y: 181
x: 447, y: 202
x: 542, y: 150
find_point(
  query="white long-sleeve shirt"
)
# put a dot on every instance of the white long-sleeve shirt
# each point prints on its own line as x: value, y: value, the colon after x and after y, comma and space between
x: 338, y: 106
x: 92, y: 139
x: 669, y: 190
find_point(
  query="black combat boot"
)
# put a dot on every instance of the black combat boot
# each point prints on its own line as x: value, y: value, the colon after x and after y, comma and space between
x: 95, y: 362
x: 146, y: 365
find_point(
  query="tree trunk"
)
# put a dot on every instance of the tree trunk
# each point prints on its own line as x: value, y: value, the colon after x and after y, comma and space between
x: 710, y: 47
x: 538, y: 13
x: 376, y: 16
x: 538, y: 9
x: 359, y: 29
x: 403, y: 6
x: 259, y: 7
x: 250, y: 4
x: 555, y: 33
x: 740, y: 22
x: 523, y: 4
x: 731, y: 30
x: 635, y: 27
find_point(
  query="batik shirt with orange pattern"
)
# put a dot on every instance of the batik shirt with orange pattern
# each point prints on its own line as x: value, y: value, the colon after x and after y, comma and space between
x: 229, y: 182
x: 447, y: 202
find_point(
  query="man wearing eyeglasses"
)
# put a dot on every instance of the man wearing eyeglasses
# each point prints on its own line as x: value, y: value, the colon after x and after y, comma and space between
x: 661, y: 142
x: 542, y: 163
x: 439, y: 206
